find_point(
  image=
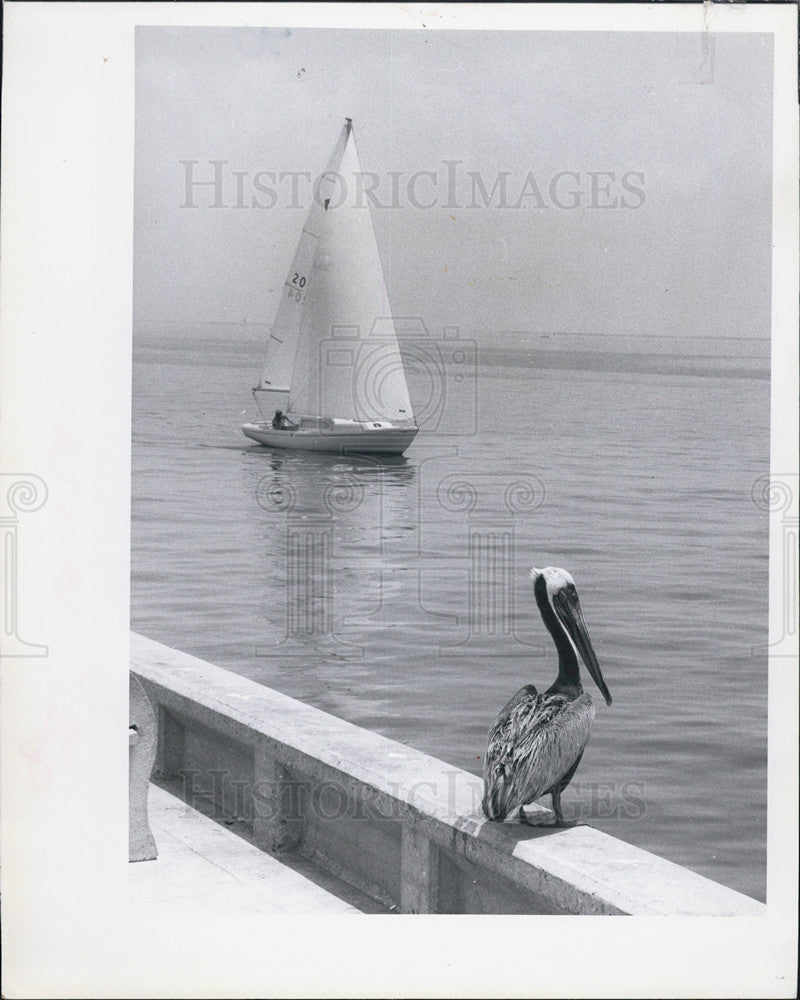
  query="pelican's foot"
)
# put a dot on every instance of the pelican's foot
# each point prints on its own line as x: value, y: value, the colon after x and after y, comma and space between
x: 529, y: 821
x: 565, y: 824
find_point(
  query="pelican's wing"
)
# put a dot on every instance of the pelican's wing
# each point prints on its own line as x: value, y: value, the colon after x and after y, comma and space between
x: 498, y: 767
x: 548, y: 750
x: 532, y: 745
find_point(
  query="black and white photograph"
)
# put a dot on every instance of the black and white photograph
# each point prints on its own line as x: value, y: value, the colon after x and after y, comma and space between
x: 401, y: 431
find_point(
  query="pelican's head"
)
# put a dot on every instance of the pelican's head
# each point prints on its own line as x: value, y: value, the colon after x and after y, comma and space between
x: 557, y: 587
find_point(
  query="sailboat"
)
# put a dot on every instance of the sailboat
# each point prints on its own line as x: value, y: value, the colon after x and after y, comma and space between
x: 333, y: 377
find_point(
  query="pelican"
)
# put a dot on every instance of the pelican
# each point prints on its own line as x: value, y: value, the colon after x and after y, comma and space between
x: 537, y: 741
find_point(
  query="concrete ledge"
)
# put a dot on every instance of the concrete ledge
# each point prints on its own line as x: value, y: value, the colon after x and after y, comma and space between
x: 395, y: 823
x: 202, y: 866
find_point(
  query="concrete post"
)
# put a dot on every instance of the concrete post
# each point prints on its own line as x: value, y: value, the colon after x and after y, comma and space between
x: 142, y: 755
x: 279, y: 803
x: 419, y: 875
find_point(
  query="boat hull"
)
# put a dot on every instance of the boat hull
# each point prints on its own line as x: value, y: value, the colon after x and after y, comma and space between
x: 360, y: 440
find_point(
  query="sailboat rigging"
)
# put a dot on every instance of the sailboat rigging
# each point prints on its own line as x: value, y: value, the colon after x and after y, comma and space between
x: 333, y: 375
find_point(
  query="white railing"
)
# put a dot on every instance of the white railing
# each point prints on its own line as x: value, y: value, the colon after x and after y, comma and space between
x: 397, y: 824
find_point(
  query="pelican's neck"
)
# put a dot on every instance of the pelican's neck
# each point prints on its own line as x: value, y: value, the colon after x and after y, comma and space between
x: 569, y: 678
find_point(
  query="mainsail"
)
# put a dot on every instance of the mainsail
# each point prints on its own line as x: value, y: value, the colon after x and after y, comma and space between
x: 333, y: 344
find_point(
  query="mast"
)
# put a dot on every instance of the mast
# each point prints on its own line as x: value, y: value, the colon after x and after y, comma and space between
x: 276, y: 375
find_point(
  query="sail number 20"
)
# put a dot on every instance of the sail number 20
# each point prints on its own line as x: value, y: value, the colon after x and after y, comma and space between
x: 297, y: 282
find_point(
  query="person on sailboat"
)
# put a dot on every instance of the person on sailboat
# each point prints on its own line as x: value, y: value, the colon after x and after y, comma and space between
x: 282, y: 423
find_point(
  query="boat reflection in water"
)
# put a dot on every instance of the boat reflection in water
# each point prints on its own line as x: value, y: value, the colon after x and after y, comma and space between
x: 338, y: 535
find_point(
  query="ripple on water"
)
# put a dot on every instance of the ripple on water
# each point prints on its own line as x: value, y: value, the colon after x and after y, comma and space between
x: 425, y: 623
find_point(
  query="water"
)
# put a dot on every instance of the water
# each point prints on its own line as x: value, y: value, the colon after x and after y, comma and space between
x: 395, y: 594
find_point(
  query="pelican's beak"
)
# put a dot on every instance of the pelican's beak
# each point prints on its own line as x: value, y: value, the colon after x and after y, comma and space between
x: 569, y: 610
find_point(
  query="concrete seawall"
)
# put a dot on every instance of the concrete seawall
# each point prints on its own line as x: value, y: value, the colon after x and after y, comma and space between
x: 396, y: 824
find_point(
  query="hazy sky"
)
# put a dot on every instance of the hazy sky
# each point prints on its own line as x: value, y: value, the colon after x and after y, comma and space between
x: 682, y: 123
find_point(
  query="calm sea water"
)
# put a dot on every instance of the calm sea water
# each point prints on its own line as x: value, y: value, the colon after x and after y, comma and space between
x: 395, y: 594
